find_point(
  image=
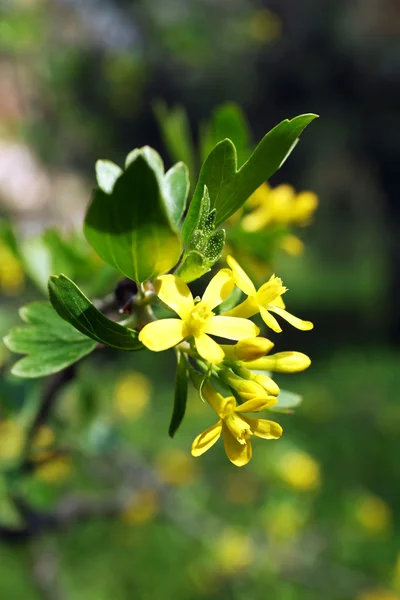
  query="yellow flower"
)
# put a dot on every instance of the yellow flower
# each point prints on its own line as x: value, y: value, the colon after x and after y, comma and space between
x: 11, y: 273
x: 265, y: 300
x: 292, y: 245
x: 279, y: 206
x: 236, y: 429
x: 55, y: 470
x: 197, y: 320
x: 378, y: 594
x: 12, y: 437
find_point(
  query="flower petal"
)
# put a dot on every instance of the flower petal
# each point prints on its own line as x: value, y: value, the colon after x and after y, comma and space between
x: 241, y: 278
x: 270, y: 291
x: 232, y: 328
x: 238, y: 454
x: 219, y: 288
x: 295, y: 321
x: 269, y: 320
x: 208, y: 348
x: 207, y: 439
x: 281, y: 362
x: 256, y: 404
x: 174, y: 293
x: 245, y: 309
x: 163, y: 334
x: 268, y: 430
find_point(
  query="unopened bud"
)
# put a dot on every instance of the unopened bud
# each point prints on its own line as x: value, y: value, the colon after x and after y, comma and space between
x: 282, y: 362
x: 253, y: 348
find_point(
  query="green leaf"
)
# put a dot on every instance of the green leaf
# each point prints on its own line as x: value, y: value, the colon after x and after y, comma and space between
x: 228, y: 121
x: 180, y: 399
x: 229, y: 188
x: 286, y: 402
x: 73, y: 306
x: 50, y: 343
x: 175, y: 130
x: 130, y: 228
x: 176, y: 189
x: 107, y: 174
x: 192, y: 267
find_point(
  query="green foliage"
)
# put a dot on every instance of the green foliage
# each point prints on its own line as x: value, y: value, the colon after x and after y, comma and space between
x: 228, y: 187
x: 180, y: 397
x: 227, y: 121
x: 73, y: 306
x: 50, y: 343
x: 287, y: 401
x: 130, y: 228
x: 177, y: 137
x: 107, y: 174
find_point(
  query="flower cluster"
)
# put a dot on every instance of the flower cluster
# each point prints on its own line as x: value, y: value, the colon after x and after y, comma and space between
x: 241, y: 370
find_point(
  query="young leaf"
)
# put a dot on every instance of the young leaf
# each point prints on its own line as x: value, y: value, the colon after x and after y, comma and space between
x: 228, y: 121
x: 129, y: 228
x: 193, y: 266
x: 50, y: 343
x: 176, y: 189
x: 286, y: 402
x: 177, y: 137
x: 181, y: 389
x: 107, y: 174
x: 73, y: 306
x: 229, y: 188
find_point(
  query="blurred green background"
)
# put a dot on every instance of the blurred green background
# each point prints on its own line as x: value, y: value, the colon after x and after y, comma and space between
x: 317, y: 514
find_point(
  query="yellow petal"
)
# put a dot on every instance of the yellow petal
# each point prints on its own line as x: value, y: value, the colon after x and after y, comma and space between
x: 241, y: 278
x: 232, y: 328
x: 268, y: 430
x: 174, y: 293
x: 219, y: 288
x: 256, y: 404
x: 207, y: 439
x: 163, y: 334
x: 208, y: 349
x: 238, y: 454
x: 269, y: 320
x: 245, y: 309
x: 270, y: 291
x: 279, y: 302
x: 216, y: 400
x: 295, y: 321
x: 281, y: 362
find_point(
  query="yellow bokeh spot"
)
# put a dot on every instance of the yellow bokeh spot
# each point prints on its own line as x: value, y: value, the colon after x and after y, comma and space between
x: 11, y: 274
x: 373, y: 514
x: 132, y: 395
x: 12, y: 437
x: 292, y: 245
x: 176, y: 467
x: 142, y: 508
x: 233, y: 551
x: 378, y: 594
x: 44, y: 438
x: 284, y: 521
x: 300, y: 471
x: 54, y: 470
x: 265, y: 25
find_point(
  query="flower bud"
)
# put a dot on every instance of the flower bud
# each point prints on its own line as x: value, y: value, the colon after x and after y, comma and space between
x: 282, y: 362
x: 253, y: 348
